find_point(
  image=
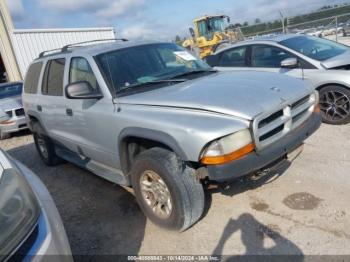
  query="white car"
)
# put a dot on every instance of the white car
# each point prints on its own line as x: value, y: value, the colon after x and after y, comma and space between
x: 324, y: 63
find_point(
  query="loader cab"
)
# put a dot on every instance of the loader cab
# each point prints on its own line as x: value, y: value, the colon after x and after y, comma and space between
x: 208, y: 25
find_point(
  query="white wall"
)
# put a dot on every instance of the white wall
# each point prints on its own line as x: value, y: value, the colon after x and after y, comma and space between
x: 28, y: 44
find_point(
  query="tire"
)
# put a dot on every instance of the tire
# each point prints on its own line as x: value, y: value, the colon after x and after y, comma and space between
x: 45, y: 147
x: 186, y: 193
x: 4, y: 136
x: 335, y: 104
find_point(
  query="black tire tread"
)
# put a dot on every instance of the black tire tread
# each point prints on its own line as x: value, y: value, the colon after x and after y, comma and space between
x: 190, y: 189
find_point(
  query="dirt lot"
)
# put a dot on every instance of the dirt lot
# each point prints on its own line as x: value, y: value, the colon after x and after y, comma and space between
x: 303, y: 210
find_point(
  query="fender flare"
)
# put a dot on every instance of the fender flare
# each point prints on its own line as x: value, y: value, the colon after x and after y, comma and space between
x: 150, y: 134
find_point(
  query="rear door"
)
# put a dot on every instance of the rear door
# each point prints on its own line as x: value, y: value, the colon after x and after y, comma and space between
x: 233, y: 59
x: 50, y: 103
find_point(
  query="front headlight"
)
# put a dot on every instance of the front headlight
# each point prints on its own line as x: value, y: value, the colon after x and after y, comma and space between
x: 228, y: 148
x: 19, y: 209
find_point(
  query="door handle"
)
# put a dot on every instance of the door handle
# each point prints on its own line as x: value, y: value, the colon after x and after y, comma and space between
x: 39, y: 108
x: 69, y: 112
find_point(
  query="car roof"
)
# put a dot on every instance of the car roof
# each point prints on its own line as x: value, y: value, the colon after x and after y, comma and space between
x: 260, y: 40
x: 96, y: 49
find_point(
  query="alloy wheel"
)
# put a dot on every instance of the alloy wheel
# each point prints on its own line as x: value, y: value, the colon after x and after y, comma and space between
x: 335, y: 105
x: 156, y: 194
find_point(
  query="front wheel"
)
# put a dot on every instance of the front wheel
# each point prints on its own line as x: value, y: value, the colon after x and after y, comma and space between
x: 335, y: 105
x: 167, y: 190
x: 4, y: 136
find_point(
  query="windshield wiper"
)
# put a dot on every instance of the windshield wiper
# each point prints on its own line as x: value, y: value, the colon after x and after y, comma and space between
x: 149, y: 83
x: 194, y: 72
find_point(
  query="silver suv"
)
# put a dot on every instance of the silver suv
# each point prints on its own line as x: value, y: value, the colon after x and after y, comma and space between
x: 152, y: 116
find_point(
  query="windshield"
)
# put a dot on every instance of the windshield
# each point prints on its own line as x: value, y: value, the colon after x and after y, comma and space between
x: 216, y: 24
x: 135, y: 66
x: 316, y: 48
x: 211, y: 25
x: 10, y: 90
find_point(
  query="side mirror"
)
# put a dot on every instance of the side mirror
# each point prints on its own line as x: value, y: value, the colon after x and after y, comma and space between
x: 81, y: 90
x: 3, y: 116
x: 192, y: 32
x: 289, y: 63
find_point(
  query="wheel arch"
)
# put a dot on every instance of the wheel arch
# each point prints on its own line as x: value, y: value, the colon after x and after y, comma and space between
x: 134, y: 140
x: 332, y: 84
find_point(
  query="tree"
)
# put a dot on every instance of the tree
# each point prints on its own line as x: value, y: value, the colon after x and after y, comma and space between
x: 257, y: 20
x: 245, y: 24
x: 177, y: 38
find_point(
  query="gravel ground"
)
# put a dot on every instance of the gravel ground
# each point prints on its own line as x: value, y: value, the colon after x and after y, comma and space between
x: 301, y: 209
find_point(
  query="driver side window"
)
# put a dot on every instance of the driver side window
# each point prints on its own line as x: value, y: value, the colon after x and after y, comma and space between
x: 268, y: 56
x: 80, y: 70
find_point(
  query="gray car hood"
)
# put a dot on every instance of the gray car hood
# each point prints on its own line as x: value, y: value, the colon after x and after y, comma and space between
x: 339, y: 60
x: 11, y: 103
x: 243, y: 94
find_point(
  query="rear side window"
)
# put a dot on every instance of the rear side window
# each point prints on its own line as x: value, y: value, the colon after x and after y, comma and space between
x: 53, y: 77
x: 235, y: 57
x: 32, y: 78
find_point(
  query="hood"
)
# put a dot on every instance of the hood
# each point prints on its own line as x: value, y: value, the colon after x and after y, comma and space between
x: 337, y: 61
x: 11, y: 103
x: 243, y: 94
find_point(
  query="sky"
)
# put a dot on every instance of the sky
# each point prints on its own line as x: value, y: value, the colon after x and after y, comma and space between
x: 149, y: 19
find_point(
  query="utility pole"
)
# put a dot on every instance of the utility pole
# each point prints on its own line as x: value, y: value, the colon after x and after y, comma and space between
x: 283, y: 28
x: 336, y: 28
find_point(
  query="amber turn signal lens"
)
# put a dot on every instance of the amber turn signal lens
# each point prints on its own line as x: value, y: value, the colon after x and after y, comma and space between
x: 317, y: 108
x: 217, y: 160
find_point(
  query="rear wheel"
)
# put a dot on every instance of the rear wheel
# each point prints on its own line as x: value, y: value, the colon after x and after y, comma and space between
x: 335, y: 105
x: 45, y: 147
x: 167, y: 190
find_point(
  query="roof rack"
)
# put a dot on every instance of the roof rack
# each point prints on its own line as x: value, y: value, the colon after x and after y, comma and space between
x: 66, y: 47
x: 48, y: 51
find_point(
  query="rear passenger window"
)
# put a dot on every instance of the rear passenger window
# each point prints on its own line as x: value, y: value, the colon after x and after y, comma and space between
x: 53, y: 77
x: 32, y: 78
x: 234, y: 57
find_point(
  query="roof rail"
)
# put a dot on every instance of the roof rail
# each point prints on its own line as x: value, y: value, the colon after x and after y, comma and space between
x: 47, y: 51
x: 66, y: 47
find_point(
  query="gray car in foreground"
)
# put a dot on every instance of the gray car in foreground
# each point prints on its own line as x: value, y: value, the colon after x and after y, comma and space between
x: 323, y: 63
x: 31, y: 228
x: 152, y: 116
x: 11, y: 104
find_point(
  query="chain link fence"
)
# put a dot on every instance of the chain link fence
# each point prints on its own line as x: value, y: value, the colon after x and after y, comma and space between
x: 333, y: 27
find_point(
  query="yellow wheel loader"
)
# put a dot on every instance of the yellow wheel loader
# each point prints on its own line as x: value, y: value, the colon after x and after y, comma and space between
x: 209, y: 33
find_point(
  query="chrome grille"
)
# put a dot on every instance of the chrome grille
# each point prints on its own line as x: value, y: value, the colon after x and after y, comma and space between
x: 269, y: 128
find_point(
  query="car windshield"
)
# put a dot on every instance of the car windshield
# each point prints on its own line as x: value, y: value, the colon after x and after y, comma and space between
x: 316, y: 48
x: 10, y: 90
x: 153, y: 63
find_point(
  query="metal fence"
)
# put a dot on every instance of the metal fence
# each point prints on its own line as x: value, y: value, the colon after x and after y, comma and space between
x: 331, y: 27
